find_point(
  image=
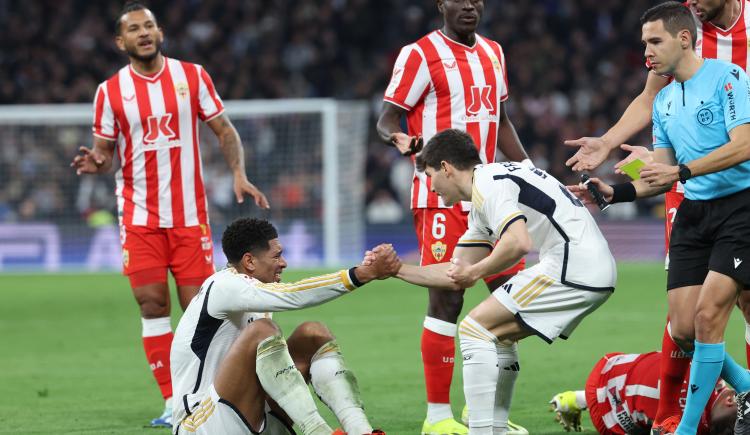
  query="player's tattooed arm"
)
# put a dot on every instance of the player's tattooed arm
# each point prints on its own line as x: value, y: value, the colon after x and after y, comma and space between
x: 231, y: 147
x: 507, y: 139
x: 95, y: 160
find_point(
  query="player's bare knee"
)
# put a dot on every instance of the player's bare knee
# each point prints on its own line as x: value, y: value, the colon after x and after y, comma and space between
x: 315, y: 332
x: 256, y: 332
x: 445, y: 305
x: 153, y: 309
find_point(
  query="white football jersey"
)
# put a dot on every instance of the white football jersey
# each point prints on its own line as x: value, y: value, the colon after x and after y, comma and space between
x: 225, y: 304
x: 561, y: 228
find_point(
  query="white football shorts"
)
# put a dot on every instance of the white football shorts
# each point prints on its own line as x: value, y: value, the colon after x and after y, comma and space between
x: 217, y: 416
x: 545, y: 305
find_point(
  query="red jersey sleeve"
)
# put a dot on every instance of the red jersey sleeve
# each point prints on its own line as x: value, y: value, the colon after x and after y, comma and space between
x: 104, y: 125
x: 410, y: 78
x: 210, y: 104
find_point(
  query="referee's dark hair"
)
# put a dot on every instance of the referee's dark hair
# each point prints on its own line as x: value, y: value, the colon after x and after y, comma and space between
x: 676, y: 17
x: 453, y: 146
x: 247, y: 235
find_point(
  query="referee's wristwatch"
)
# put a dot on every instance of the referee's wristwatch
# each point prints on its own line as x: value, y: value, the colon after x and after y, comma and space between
x: 684, y: 173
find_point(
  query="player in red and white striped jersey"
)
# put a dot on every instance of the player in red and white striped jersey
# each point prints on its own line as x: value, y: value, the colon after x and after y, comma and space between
x: 723, y: 33
x: 450, y: 78
x: 148, y: 113
x: 622, y: 396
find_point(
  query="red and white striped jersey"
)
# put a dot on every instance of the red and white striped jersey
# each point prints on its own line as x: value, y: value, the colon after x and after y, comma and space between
x: 444, y: 84
x: 154, y: 121
x: 627, y: 393
x: 730, y: 44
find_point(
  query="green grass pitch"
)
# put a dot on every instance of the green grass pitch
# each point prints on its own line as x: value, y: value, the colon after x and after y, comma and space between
x: 71, y: 359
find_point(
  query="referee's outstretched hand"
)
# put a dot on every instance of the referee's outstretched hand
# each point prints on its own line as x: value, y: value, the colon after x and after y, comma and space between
x: 592, y: 152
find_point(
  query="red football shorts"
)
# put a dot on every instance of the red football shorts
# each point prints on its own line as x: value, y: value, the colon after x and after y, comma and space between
x: 672, y: 202
x: 186, y: 251
x: 438, y: 231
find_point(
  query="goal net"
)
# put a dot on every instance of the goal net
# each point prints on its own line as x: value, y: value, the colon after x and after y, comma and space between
x: 307, y: 156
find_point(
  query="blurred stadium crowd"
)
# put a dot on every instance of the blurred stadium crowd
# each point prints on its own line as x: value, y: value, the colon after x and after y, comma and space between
x: 574, y: 65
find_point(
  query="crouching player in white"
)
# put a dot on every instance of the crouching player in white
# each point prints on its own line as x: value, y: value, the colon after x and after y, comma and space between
x: 232, y: 370
x: 515, y: 208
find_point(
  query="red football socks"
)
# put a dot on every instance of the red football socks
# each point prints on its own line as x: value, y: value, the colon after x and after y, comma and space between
x: 438, y: 352
x: 672, y: 369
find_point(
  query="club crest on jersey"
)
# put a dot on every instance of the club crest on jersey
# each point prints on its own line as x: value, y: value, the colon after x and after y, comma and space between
x: 438, y: 250
x: 496, y: 63
x: 182, y: 89
x: 125, y: 257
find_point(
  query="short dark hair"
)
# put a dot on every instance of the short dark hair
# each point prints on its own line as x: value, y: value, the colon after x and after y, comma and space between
x: 453, y: 146
x: 128, y: 7
x: 676, y: 17
x: 247, y: 235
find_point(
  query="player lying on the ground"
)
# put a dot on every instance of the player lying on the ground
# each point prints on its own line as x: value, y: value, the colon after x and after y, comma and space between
x: 232, y: 370
x: 514, y: 208
x: 622, y: 396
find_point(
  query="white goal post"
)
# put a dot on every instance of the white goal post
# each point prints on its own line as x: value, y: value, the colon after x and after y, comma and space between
x: 307, y: 155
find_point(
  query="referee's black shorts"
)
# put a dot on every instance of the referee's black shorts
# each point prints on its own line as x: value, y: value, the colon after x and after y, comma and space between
x: 710, y: 235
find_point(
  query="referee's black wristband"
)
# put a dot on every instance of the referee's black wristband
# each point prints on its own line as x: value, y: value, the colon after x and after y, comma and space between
x: 623, y: 192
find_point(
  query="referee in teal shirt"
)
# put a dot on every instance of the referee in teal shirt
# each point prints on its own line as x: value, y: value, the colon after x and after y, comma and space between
x: 701, y: 135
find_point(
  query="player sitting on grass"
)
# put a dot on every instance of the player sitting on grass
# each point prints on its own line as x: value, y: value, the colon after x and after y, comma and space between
x: 232, y: 370
x: 622, y: 396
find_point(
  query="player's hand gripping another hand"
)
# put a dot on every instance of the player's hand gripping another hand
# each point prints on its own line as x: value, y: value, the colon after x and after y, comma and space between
x: 381, y: 262
x: 582, y: 192
x: 462, y: 273
x: 87, y: 161
x: 407, y: 145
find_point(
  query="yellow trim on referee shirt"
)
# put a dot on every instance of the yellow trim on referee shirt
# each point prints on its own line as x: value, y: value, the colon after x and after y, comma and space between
x: 501, y: 227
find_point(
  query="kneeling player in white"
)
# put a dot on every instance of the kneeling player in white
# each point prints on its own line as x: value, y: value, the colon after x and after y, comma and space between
x: 232, y: 370
x: 514, y: 208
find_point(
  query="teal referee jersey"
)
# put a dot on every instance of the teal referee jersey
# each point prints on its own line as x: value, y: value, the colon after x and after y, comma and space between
x: 695, y: 117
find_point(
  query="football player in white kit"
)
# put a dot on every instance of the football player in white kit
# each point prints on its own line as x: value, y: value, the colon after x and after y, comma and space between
x: 232, y: 370
x: 515, y: 208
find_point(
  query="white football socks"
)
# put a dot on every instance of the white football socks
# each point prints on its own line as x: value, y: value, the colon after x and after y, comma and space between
x: 284, y: 384
x: 337, y: 388
x: 480, y: 358
x: 507, y: 362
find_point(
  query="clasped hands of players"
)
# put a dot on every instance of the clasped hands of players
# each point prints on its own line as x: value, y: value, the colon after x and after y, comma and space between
x: 379, y: 263
x: 460, y: 272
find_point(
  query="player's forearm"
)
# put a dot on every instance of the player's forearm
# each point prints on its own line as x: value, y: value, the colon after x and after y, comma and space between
x: 432, y: 276
x: 234, y: 154
x: 105, y: 149
x: 388, y: 123
x: 508, y: 142
x: 502, y: 258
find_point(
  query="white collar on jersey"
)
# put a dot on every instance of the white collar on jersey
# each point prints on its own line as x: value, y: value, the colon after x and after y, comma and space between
x: 476, y: 40
x: 152, y: 78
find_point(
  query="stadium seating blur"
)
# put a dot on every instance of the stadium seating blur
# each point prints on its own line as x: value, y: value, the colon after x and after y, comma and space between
x: 573, y: 68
